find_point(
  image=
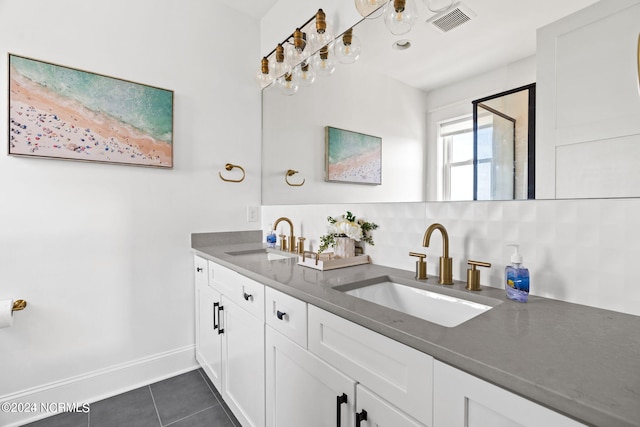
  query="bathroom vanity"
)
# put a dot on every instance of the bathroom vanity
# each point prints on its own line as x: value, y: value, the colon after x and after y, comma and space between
x: 287, y: 345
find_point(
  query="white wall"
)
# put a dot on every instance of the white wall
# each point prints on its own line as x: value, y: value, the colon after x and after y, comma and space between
x: 102, y: 252
x: 294, y: 137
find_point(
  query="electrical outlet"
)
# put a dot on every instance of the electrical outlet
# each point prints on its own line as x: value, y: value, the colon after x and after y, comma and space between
x: 252, y: 214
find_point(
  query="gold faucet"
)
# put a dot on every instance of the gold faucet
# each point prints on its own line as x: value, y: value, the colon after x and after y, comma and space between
x: 446, y: 263
x: 291, y: 238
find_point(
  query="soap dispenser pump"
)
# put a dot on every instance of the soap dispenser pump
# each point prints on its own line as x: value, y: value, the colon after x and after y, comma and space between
x: 517, y: 278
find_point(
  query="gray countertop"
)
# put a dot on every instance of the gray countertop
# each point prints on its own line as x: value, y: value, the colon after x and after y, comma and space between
x: 580, y: 361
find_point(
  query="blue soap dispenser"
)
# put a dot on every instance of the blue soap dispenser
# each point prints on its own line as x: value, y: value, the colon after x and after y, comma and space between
x: 271, y: 237
x: 516, y: 278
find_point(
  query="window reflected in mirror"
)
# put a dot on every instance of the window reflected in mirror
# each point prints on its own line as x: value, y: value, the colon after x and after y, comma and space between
x: 504, y: 145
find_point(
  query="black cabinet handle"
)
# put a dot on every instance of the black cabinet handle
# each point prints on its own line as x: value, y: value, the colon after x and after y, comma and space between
x: 248, y: 297
x: 339, y: 401
x: 360, y: 416
x: 280, y: 314
x: 199, y: 269
x: 215, y: 309
x: 220, y: 330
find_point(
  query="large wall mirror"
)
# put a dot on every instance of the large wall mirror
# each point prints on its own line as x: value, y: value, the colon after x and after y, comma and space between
x: 402, y: 89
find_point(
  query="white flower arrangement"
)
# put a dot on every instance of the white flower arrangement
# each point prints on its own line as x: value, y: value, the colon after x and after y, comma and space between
x: 347, y: 226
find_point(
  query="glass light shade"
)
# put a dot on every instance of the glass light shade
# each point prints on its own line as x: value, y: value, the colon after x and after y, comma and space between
x: 400, y: 16
x: 297, y: 51
x: 323, y: 65
x: 321, y: 34
x: 263, y: 79
x: 370, y: 9
x: 287, y: 84
x: 438, y: 5
x: 347, y: 48
x: 294, y: 55
x: 280, y: 67
x: 304, y: 74
x: 263, y: 76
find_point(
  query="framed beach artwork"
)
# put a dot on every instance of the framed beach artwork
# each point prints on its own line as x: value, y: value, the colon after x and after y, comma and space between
x: 63, y: 113
x: 353, y: 157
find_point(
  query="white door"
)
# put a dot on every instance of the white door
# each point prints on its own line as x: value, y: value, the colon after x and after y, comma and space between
x: 209, y: 343
x: 372, y: 411
x: 243, y: 356
x: 302, y: 390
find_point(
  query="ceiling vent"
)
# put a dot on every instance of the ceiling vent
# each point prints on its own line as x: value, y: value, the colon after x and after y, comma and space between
x: 452, y: 18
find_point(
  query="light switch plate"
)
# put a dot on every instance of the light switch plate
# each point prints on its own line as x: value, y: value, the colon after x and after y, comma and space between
x: 252, y: 214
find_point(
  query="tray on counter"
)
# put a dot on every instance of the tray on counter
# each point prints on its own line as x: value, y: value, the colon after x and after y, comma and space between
x: 328, y: 261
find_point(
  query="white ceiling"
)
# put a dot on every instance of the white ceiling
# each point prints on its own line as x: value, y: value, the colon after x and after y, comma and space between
x: 503, y: 31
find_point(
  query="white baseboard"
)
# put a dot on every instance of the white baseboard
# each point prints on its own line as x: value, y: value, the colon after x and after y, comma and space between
x: 94, y: 386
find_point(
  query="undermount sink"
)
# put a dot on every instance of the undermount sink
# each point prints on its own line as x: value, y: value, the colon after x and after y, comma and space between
x: 263, y: 254
x: 434, y: 307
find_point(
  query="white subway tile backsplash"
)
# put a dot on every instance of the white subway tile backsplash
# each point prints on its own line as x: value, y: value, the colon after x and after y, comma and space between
x: 581, y: 251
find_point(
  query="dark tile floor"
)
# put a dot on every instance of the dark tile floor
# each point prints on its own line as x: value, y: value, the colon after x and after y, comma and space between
x: 187, y: 400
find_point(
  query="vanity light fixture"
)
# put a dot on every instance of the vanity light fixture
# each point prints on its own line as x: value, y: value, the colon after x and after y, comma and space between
x: 287, y: 84
x: 322, y: 35
x: 292, y: 63
x: 281, y: 67
x: 263, y: 76
x: 304, y: 74
x: 400, y: 16
x: 371, y: 9
x: 347, y: 48
x: 323, y: 63
x: 295, y: 53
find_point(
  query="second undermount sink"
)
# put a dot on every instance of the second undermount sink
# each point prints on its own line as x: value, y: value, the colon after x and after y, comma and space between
x: 263, y: 254
x: 434, y: 307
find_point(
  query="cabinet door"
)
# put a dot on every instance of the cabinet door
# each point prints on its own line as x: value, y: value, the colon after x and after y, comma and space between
x: 302, y: 390
x: 462, y: 400
x: 243, y: 364
x: 208, y: 339
x: 372, y: 411
x: 397, y: 373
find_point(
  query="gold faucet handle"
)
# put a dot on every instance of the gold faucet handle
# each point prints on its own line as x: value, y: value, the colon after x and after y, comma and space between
x: 283, y: 242
x: 421, y: 265
x: 473, y: 275
x: 301, y: 244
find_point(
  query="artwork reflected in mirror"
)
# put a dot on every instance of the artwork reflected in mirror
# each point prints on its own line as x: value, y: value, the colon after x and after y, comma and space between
x: 353, y: 157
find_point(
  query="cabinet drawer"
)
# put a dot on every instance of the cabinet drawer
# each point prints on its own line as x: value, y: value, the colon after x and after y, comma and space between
x: 245, y: 292
x: 287, y: 315
x: 201, y: 271
x: 397, y: 373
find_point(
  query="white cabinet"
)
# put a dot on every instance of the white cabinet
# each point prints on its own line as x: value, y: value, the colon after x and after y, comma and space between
x: 242, y: 363
x: 287, y: 315
x: 302, y: 390
x: 208, y: 343
x: 399, y: 374
x: 372, y: 411
x: 462, y: 400
x: 230, y: 338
